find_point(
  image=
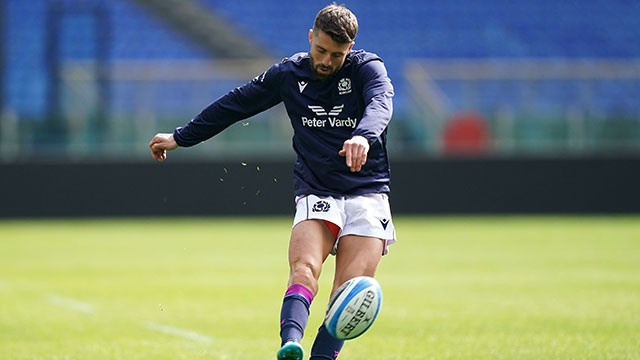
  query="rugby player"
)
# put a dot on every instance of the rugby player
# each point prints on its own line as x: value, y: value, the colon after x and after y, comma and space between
x: 339, y: 101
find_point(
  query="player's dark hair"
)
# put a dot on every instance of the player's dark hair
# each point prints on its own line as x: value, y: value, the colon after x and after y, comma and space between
x: 338, y: 22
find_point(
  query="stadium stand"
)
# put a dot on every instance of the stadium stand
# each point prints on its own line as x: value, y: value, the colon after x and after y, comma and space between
x: 135, y: 34
x: 397, y: 30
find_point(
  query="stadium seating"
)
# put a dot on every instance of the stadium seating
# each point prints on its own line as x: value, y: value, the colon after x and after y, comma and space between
x: 397, y: 30
x: 133, y: 34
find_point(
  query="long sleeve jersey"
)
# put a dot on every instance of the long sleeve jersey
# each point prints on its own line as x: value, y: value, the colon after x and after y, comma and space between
x: 356, y: 100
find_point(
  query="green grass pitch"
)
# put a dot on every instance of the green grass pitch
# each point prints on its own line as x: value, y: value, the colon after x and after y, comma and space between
x: 211, y: 288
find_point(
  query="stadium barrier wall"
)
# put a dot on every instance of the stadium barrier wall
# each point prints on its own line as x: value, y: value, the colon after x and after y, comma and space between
x: 453, y: 186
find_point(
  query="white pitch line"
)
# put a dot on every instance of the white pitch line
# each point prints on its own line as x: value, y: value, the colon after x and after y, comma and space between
x: 71, y: 304
x: 187, y: 334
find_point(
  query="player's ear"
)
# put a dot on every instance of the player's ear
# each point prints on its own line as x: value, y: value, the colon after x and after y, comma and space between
x: 310, y: 35
x: 351, y: 46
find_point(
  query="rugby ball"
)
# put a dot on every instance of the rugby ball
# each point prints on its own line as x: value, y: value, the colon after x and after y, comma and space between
x: 353, y: 308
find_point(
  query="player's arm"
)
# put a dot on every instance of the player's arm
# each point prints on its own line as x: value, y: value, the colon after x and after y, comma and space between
x: 378, y: 93
x: 254, y: 97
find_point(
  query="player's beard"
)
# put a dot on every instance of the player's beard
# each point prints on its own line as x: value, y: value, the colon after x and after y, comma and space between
x: 321, y: 75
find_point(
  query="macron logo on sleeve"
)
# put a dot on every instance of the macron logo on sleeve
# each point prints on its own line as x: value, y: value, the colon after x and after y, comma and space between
x: 302, y: 85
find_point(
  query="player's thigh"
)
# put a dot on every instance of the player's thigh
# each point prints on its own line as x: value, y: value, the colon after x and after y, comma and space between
x: 357, y: 256
x: 310, y: 244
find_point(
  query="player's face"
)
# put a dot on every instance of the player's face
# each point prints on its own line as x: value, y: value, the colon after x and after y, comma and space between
x: 327, y: 56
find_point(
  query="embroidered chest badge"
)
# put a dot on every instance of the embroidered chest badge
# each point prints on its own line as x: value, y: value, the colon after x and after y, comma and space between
x: 344, y: 86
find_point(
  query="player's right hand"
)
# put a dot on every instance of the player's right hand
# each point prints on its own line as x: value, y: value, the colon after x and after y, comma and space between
x: 160, y: 144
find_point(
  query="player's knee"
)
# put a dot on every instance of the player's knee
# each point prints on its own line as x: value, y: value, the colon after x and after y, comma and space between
x: 305, y: 269
x: 305, y: 273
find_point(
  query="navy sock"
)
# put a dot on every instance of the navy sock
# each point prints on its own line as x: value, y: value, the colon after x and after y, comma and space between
x: 325, y: 347
x: 295, y: 313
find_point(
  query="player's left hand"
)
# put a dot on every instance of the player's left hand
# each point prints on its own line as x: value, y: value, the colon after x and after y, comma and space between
x: 355, y: 152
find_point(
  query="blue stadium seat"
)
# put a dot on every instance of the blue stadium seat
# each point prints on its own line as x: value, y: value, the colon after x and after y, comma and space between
x: 396, y: 30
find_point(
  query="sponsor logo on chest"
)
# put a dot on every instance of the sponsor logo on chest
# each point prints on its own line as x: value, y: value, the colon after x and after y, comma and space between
x: 332, y: 118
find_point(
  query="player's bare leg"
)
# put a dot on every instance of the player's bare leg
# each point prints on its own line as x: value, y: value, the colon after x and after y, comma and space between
x: 310, y: 244
x: 356, y: 256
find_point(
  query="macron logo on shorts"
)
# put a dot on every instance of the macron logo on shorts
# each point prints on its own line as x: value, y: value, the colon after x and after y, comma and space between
x: 321, y: 206
x: 384, y: 223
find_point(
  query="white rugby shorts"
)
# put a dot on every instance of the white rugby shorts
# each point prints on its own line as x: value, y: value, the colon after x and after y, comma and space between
x: 364, y: 215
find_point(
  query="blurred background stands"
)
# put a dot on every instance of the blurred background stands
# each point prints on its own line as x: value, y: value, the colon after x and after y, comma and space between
x: 91, y: 79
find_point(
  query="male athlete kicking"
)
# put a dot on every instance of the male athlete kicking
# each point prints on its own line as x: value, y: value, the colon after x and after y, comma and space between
x: 339, y: 102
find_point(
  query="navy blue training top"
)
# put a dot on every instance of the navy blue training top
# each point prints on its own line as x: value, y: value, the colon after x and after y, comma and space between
x: 356, y: 100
